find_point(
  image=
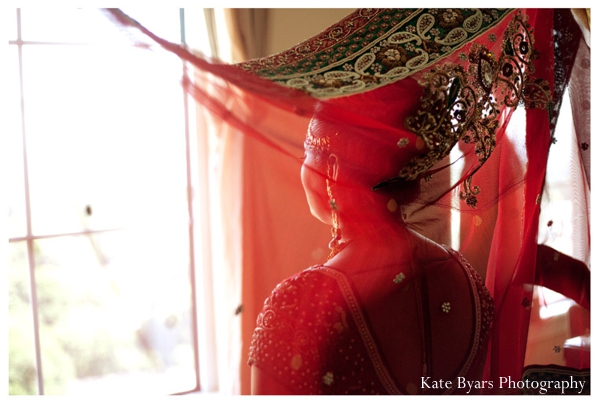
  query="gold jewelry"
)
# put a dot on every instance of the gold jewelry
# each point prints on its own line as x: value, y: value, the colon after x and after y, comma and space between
x: 318, y: 144
x: 336, y: 233
x: 335, y: 245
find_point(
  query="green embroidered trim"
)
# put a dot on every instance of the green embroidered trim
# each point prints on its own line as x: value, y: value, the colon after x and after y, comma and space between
x: 374, y: 47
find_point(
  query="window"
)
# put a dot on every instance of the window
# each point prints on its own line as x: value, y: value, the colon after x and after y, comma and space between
x: 561, y: 225
x: 100, y: 253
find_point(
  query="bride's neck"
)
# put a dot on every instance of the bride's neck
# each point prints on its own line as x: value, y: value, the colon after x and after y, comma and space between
x: 371, y: 224
x: 380, y: 247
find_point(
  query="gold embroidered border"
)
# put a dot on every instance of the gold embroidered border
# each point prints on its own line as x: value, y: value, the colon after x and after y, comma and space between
x: 374, y: 47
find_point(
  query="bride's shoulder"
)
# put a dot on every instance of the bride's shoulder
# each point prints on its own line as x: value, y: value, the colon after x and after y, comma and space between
x: 310, y: 280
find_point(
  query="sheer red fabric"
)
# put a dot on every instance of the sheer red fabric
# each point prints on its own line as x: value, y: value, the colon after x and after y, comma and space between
x: 437, y: 111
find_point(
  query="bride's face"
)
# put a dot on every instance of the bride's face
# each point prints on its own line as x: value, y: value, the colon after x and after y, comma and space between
x: 314, y: 175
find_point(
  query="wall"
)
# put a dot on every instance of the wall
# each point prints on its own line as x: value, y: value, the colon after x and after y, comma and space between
x: 290, y: 26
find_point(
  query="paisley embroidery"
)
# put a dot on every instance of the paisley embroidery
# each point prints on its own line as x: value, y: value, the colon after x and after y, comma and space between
x: 465, y: 103
x: 373, y: 47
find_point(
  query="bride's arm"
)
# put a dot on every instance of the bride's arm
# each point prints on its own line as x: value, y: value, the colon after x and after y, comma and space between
x: 563, y: 274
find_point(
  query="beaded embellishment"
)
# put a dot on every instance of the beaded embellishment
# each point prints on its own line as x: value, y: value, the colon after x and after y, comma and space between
x: 318, y: 144
x: 399, y: 278
x: 465, y: 103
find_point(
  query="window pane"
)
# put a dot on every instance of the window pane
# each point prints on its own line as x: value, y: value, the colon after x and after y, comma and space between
x: 10, y: 17
x: 163, y: 21
x: 70, y: 25
x: 115, y: 313
x: 197, y: 35
x: 105, y: 137
x: 22, y: 373
x: 557, y: 204
x: 89, y: 25
x: 17, y: 223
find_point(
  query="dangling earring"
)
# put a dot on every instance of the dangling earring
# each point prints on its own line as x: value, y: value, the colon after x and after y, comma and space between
x: 336, y: 233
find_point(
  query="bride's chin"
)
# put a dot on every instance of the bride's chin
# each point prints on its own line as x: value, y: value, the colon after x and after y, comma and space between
x: 318, y: 209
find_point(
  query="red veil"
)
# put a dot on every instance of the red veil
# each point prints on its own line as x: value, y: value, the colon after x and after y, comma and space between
x: 495, y: 79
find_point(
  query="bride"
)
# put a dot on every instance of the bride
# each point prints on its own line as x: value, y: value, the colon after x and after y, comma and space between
x: 391, y: 312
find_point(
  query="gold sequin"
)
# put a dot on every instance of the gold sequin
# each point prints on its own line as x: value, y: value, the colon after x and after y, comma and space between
x: 477, y: 220
x: 296, y: 362
x: 328, y: 378
x: 392, y: 205
x: 403, y: 142
x: 399, y: 278
x: 446, y: 307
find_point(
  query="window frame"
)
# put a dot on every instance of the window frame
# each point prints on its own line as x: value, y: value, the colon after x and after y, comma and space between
x: 29, y: 238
